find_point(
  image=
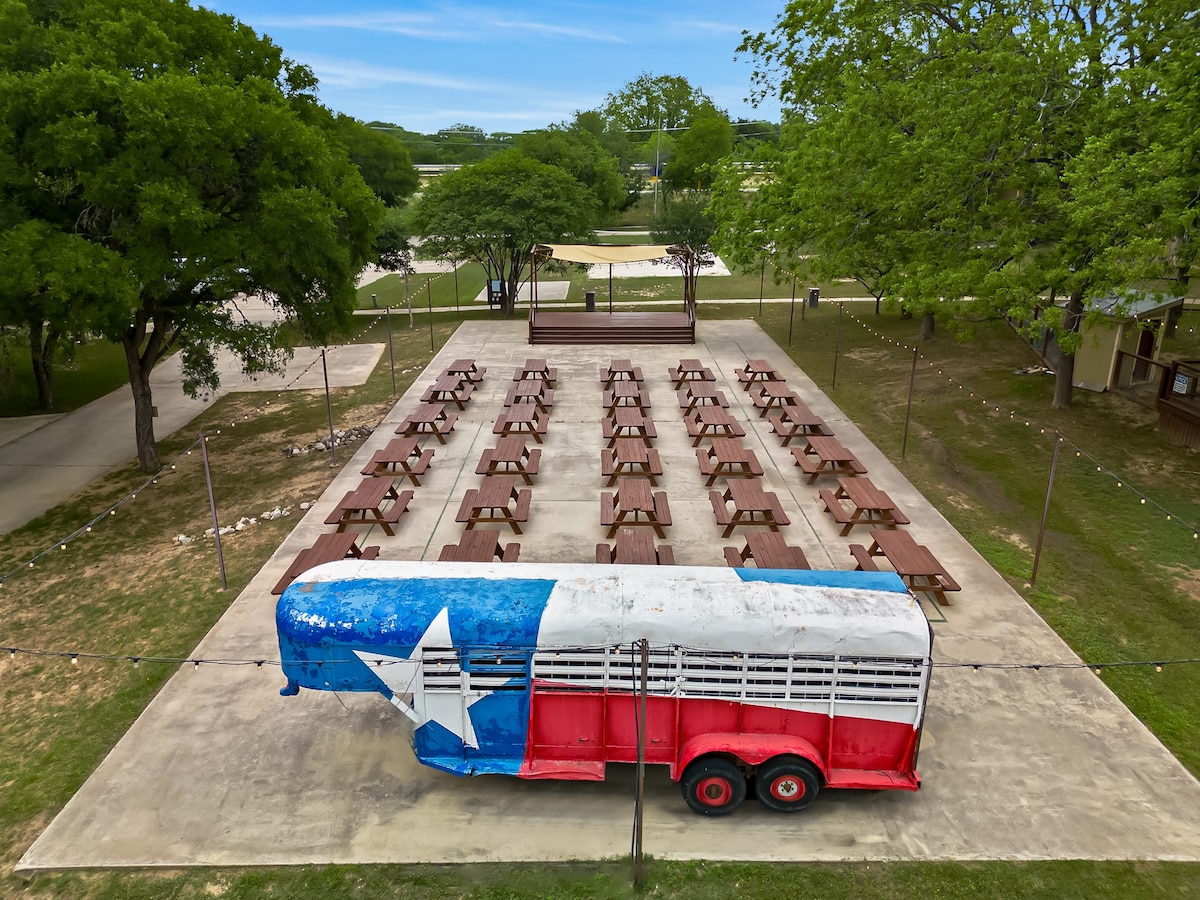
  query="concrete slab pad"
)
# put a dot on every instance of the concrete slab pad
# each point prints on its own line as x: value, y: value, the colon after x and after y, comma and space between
x: 221, y: 770
x: 547, y: 291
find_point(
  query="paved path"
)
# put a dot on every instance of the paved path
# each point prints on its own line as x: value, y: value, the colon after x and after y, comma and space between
x: 220, y: 770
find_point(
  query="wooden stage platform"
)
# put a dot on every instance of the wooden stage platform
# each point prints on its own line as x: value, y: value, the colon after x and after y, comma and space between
x: 612, y: 328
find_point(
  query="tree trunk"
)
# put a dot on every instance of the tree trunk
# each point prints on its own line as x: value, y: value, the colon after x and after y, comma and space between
x: 1064, y: 364
x: 1174, y: 314
x: 143, y: 405
x: 878, y: 300
x: 928, y: 326
x: 43, y: 342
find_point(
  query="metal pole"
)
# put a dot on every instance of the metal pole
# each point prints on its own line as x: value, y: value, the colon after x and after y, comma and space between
x: 912, y: 377
x: 1037, y: 553
x: 456, y: 312
x: 212, y: 504
x: 329, y: 410
x: 408, y: 302
x: 762, y: 277
x: 792, y: 311
x: 610, y: 288
x: 391, y: 352
x: 837, y: 343
x: 638, y: 862
x: 429, y: 303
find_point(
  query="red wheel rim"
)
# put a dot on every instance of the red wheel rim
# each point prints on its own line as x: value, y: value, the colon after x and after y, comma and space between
x: 714, y: 791
x: 787, y: 788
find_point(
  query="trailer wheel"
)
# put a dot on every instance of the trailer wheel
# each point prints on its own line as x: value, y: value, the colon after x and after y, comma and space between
x: 787, y: 784
x: 713, y: 786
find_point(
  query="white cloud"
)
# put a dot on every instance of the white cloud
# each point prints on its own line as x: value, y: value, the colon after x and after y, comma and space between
x: 354, y: 74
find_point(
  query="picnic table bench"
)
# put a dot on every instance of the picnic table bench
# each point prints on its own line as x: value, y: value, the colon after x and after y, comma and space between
x: 634, y: 503
x: 757, y: 371
x: 630, y: 457
x: 627, y: 421
x: 364, y: 506
x: 328, y: 548
x: 510, y: 456
x: 711, y: 421
x: 690, y: 370
x: 522, y: 419
x: 536, y: 369
x: 774, y: 395
x: 871, y: 506
x: 619, y: 370
x: 751, y: 506
x: 913, y: 562
x: 727, y: 458
x: 635, y: 546
x: 402, y: 457
x: 700, y: 393
x: 481, y: 545
x: 626, y: 393
x: 768, y: 550
x: 530, y: 391
x: 465, y: 368
x: 428, y: 418
x: 797, y: 420
x: 823, y: 455
x: 491, y: 502
x: 449, y: 389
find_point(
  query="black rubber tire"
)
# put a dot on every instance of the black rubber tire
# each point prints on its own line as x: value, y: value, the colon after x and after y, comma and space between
x: 713, y: 786
x: 787, y: 784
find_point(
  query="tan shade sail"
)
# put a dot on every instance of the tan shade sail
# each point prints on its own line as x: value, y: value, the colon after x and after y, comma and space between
x: 606, y: 253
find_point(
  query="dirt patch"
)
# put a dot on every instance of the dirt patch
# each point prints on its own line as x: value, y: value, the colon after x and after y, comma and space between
x: 869, y: 355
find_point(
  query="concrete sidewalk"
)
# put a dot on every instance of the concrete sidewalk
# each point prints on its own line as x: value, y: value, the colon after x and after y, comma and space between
x: 220, y: 770
x: 46, y: 459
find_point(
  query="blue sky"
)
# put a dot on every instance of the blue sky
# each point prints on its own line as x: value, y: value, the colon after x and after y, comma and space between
x: 507, y: 66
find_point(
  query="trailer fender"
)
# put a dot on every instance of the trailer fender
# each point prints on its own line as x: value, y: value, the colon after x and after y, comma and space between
x: 749, y: 749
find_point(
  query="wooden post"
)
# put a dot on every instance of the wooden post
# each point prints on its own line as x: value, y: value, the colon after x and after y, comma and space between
x: 761, y: 278
x: 912, y: 377
x: 792, y: 311
x: 391, y: 352
x: 456, y: 312
x: 638, y: 863
x: 212, y: 504
x: 1037, y: 553
x: 329, y: 408
x: 837, y: 343
x: 429, y: 304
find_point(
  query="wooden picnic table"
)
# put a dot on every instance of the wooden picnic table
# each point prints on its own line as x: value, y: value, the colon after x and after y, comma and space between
x: 402, y: 457
x: 823, y: 455
x: 627, y: 421
x: 711, y: 421
x: 491, y: 502
x: 690, y: 370
x: 634, y: 503
x: 626, y: 393
x: 757, y: 371
x: 530, y: 390
x: 510, y: 456
x: 630, y: 457
x: 428, y: 418
x: 774, y: 395
x: 481, y: 545
x: 871, y: 506
x: 797, y: 420
x: 913, y: 562
x: 328, y: 548
x: 727, y: 458
x: 619, y: 370
x: 751, y: 506
x: 769, y: 550
x: 449, y: 388
x: 364, y: 506
x: 536, y: 369
x: 522, y: 419
x: 635, y: 546
x: 700, y: 393
x: 465, y: 368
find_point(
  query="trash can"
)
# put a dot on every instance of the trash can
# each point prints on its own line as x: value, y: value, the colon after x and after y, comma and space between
x: 589, y: 301
x: 814, y: 294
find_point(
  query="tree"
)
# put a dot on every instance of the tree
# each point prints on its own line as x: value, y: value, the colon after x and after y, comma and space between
x: 384, y: 162
x: 579, y: 153
x: 697, y: 153
x: 687, y: 222
x: 495, y: 212
x: 929, y: 151
x: 656, y: 102
x: 183, y: 143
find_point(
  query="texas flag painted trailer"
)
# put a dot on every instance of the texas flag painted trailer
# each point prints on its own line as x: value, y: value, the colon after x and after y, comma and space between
x: 790, y: 680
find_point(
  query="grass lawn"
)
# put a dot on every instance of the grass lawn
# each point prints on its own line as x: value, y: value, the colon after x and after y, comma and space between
x: 1117, y: 580
x: 82, y: 373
